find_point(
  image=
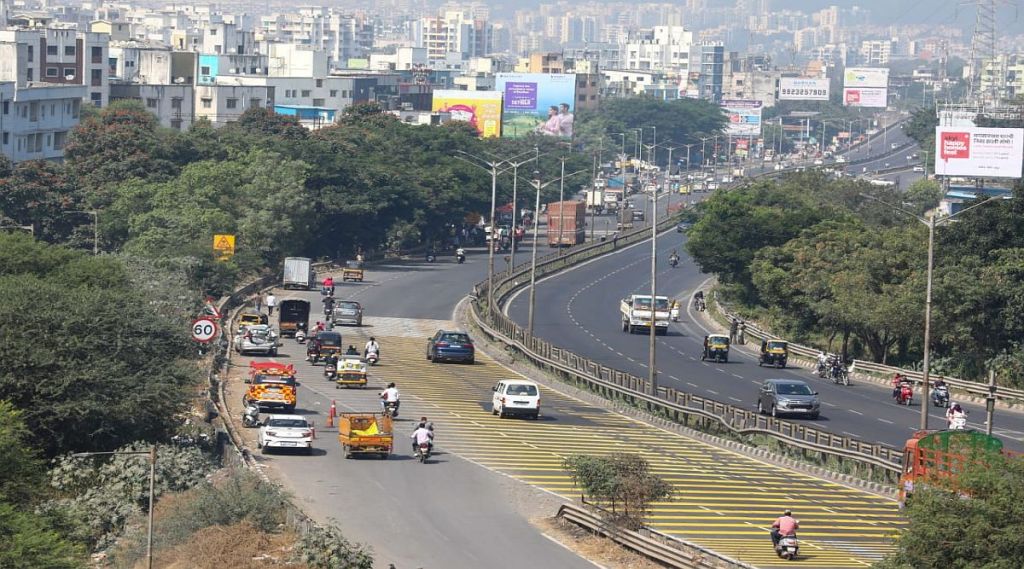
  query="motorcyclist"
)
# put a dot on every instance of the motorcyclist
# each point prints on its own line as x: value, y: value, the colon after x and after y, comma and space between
x: 938, y: 390
x: 372, y: 347
x: 897, y: 379
x: 784, y: 526
x: 351, y: 351
x: 460, y: 252
x: 328, y: 304
x: 390, y: 395
x: 422, y: 435
x: 312, y: 348
x: 329, y: 285
x: 822, y: 362
x: 954, y: 413
x: 673, y: 258
x: 320, y: 326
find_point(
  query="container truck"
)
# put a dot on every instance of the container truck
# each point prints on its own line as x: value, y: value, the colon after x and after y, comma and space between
x: 595, y: 200
x: 566, y: 223
x: 298, y: 273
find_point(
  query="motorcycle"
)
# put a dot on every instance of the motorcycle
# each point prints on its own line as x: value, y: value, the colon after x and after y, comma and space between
x: 940, y: 396
x: 300, y: 337
x: 251, y: 415
x: 423, y: 452
x: 839, y: 375
x: 391, y: 409
x: 673, y: 261
x: 905, y: 395
x: 460, y: 258
x: 372, y: 358
x: 327, y: 291
x: 431, y: 257
x: 787, y: 548
x: 958, y: 422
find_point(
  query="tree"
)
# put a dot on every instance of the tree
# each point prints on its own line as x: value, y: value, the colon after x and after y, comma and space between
x: 984, y: 531
x: 28, y: 542
x: 21, y: 470
x: 622, y: 482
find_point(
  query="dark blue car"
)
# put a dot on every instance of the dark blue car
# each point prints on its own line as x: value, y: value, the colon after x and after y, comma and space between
x: 450, y: 346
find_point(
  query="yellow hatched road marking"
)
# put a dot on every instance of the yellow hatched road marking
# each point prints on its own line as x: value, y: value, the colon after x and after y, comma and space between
x: 723, y: 500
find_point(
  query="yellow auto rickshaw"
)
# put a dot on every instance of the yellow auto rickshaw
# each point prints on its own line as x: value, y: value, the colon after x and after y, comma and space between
x: 716, y: 348
x: 251, y: 319
x: 351, y: 372
x: 774, y: 353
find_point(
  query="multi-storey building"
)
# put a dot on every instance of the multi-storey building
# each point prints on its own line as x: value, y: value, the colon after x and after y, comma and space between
x: 712, y: 67
x: 452, y: 32
x: 661, y: 48
x: 60, y: 56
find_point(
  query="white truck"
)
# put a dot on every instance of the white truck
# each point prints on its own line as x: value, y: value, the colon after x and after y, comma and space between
x: 595, y: 200
x: 636, y: 313
x: 299, y: 274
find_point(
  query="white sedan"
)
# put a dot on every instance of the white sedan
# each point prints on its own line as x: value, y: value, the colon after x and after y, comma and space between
x: 286, y: 431
x: 256, y: 339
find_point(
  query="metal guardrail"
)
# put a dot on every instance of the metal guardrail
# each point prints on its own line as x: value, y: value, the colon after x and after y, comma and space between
x: 666, y: 550
x: 677, y: 404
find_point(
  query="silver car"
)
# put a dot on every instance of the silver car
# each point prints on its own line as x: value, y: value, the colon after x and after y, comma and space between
x: 347, y: 312
x: 788, y: 396
x: 258, y: 340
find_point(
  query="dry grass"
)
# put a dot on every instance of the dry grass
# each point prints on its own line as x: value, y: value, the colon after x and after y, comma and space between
x: 238, y: 546
x: 600, y: 550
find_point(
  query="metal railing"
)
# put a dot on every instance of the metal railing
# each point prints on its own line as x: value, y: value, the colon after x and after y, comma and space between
x: 666, y: 550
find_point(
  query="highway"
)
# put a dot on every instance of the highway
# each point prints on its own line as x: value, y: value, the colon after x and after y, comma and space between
x: 447, y: 514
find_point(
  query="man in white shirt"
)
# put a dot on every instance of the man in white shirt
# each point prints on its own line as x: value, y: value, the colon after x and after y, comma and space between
x: 372, y: 347
x: 271, y: 303
x: 390, y: 395
x: 422, y: 434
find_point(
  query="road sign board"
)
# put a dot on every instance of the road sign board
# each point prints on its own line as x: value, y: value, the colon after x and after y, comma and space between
x: 224, y: 245
x: 204, y: 329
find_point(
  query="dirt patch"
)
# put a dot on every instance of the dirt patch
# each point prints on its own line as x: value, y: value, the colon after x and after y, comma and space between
x: 238, y: 546
x: 597, y: 549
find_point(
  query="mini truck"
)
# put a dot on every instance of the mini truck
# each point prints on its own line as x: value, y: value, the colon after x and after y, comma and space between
x: 636, y: 313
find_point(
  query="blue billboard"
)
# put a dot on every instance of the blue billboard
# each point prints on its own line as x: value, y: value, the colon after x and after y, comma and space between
x: 537, y: 103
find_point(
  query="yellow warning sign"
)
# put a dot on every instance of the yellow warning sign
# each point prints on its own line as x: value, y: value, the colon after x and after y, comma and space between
x: 224, y: 246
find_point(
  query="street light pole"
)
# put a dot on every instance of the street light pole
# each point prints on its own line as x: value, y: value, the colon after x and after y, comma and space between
x: 561, y: 206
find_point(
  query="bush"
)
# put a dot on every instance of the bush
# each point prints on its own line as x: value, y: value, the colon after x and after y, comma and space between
x: 622, y: 482
x: 326, y: 548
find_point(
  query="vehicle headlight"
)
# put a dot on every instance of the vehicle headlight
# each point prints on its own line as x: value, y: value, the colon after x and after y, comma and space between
x: 784, y: 402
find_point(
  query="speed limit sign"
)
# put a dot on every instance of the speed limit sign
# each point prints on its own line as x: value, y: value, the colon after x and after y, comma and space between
x: 204, y: 330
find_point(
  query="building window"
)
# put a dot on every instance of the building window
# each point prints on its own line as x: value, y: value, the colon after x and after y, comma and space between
x: 97, y: 99
x: 97, y: 77
x: 231, y: 103
x: 152, y: 103
x: 7, y: 107
x: 318, y: 102
x: 97, y: 54
x: 204, y: 70
x: 207, y: 102
x: 31, y: 53
x: 29, y: 76
x: 319, y: 83
x: 306, y: 93
x: 51, y: 50
x: 255, y: 103
x: 176, y: 103
x: 7, y: 138
x: 69, y: 50
x: 334, y: 92
x: 69, y: 73
x: 52, y: 71
x: 176, y: 124
x: 75, y: 108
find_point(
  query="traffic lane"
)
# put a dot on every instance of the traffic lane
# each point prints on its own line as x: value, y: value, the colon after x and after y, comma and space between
x: 582, y: 315
x: 442, y: 515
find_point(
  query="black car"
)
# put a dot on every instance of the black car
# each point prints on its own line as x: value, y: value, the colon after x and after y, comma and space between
x: 452, y: 346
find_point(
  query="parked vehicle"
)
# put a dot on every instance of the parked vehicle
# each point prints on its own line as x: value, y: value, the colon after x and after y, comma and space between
x: 258, y: 339
x: 566, y: 223
x: 286, y: 432
x: 450, y: 346
x: 248, y: 318
x: 347, y: 312
x: 299, y: 274
x: 635, y: 311
x: 516, y: 397
x: 788, y: 396
x: 293, y: 316
x: 365, y: 434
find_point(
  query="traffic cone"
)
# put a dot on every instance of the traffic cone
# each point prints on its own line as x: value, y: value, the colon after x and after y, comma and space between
x: 331, y: 413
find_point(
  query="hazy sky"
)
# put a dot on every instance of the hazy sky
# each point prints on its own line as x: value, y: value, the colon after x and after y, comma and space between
x: 955, y: 12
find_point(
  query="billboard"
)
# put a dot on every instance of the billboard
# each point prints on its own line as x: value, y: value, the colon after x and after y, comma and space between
x: 956, y: 117
x: 801, y: 89
x: 866, y: 77
x: 540, y: 103
x: 866, y: 97
x: 976, y: 151
x: 482, y: 109
x: 744, y: 116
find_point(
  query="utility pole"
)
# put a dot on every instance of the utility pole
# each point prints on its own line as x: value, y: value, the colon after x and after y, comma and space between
x: 561, y: 207
x: 990, y: 402
x: 652, y: 372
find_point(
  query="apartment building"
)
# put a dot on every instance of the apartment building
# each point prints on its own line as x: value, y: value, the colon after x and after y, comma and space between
x: 663, y: 48
x: 223, y: 103
x: 35, y: 119
x: 58, y: 56
x: 452, y: 32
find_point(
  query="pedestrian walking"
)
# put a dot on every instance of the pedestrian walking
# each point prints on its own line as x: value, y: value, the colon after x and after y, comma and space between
x: 271, y: 303
x: 257, y: 301
x: 733, y: 329
x: 743, y: 332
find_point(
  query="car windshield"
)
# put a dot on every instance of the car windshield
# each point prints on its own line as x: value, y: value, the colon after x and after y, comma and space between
x: 262, y: 379
x: 456, y: 338
x: 718, y: 340
x: 793, y: 389
x: 645, y: 303
x: 776, y: 345
x: 349, y: 305
x: 288, y: 423
x: 521, y: 389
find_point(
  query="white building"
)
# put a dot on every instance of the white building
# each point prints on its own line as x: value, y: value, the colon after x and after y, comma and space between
x: 223, y: 103
x: 664, y: 48
x: 452, y: 32
x: 403, y: 59
x: 35, y: 119
x: 60, y: 56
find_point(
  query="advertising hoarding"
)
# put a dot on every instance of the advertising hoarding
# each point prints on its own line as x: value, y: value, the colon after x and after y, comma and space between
x: 801, y: 89
x: 744, y: 116
x: 977, y: 151
x: 866, y: 77
x: 950, y: 117
x: 866, y: 97
x: 541, y: 103
x: 482, y: 109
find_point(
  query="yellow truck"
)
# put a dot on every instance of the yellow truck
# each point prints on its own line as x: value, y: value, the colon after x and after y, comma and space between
x: 365, y: 434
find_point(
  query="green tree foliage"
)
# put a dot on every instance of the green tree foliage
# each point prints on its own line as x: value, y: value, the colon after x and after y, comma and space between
x: 985, y: 531
x: 27, y: 542
x: 622, y: 482
x: 327, y: 548
x: 21, y: 469
x: 681, y: 121
x: 921, y: 127
x: 84, y: 357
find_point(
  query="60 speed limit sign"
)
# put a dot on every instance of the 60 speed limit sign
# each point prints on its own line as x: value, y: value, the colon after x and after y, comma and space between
x: 204, y: 330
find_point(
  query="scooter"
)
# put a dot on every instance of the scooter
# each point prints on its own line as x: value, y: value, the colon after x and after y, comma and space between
x: 788, y: 547
x: 958, y: 422
x: 372, y: 358
x: 905, y: 395
x: 331, y: 371
x: 940, y: 396
x: 391, y: 409
x: 460, y: 258
x: 300, y: 337
x: 251, y: 415
x: 431, y: 257
x: 674, y: 262
x: 423, y: 452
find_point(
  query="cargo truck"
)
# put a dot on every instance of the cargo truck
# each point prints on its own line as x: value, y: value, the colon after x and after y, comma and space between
x: 566, y: 223
x: 595, y: 200
x: 298, y: 274
x: 636, y: 313
x: 625, y: 219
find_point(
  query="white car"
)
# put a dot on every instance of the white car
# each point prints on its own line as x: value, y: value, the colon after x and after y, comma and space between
x: 840, y: 160
x: 919, y: 168
x: 286, y: 431
x: 819, y: 162
x: 256, y: 339
x: 516, y: 397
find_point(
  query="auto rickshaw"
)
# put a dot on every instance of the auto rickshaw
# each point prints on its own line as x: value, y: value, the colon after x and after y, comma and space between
x: 323, y: 344
x: 774, y: 353
x: 351, y: 372
x: 353, y: 271
x: 251, y: 319
x: 716, y: 348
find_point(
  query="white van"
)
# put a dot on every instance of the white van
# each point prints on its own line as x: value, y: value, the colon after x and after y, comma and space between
x: 516, y: 397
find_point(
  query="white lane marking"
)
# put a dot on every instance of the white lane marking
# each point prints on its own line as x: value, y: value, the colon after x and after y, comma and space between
x: 855, y: 412
x: 885, y: 421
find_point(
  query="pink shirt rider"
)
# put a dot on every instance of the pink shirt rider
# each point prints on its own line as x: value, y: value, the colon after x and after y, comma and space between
x: 787, y: 525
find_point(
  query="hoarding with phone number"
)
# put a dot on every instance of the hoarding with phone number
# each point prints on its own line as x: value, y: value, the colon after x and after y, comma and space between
x: 801, y: 89
x: 979, y: 152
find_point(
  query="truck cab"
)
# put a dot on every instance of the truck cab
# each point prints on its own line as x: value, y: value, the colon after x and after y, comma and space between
x: 636, y: 313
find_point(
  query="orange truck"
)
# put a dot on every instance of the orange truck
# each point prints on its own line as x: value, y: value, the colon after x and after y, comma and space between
x: 936, y: 458
x: 272, y: 385
x: 566, y: 223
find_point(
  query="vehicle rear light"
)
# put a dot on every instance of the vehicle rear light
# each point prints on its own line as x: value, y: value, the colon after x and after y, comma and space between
x: 441, y: 345
x: 470, y: 346
x: 307, y: 434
